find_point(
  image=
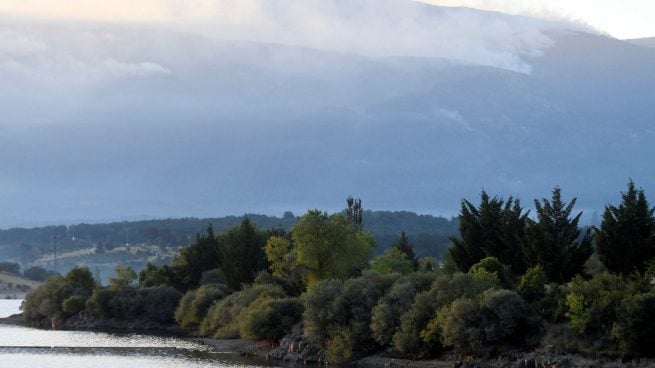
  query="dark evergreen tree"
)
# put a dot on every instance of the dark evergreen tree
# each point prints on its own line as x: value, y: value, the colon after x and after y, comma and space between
x: 494, y: 229
x: 625, y: 241
x: 194, y: 259
x: 554, y: 242
x: 241, y: 251
x: 403, y: 245
x: 355, y: 211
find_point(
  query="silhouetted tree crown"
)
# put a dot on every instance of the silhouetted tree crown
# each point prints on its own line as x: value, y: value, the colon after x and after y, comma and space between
x: 625, y: 241
x: 553, y: 241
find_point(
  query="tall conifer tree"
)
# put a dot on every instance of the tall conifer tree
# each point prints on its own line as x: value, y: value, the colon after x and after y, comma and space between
x: 625, y: 241
x: 494, y: 229
x: 554, y: 242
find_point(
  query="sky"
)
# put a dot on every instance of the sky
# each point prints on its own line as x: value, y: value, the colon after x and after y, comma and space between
x: 621, y: 19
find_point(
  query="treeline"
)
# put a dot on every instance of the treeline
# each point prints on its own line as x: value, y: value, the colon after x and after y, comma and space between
x: 35, y: 273
x: 509, y: 281
x: 430, y: 234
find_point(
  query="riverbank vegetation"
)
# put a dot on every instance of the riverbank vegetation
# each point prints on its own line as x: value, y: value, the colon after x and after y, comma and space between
x: 511, y: 280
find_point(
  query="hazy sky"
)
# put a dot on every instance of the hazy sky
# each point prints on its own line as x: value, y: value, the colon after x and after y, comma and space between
x: 622, y: 19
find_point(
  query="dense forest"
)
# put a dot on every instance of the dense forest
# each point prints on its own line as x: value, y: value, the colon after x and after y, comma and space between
x: 510, y: 280
x: 429, y: 234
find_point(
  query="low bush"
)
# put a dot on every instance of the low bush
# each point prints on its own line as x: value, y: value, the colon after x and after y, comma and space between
x: 270, y: 319
x: 194, y: 305
x: 222, y: 320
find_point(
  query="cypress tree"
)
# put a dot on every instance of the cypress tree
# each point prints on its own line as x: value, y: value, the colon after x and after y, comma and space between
x: 625, y: 241
x: 554, y: 243
x: 494, y: 229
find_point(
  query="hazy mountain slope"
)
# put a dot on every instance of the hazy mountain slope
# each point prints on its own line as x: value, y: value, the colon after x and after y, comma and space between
x: 140, y: 122
x: 648, y: 42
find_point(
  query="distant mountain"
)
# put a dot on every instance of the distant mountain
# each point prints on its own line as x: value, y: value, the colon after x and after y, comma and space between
x: 116, y: 121
x: 648, y: 42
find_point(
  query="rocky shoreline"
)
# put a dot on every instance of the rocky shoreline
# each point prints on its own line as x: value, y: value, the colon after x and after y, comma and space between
x: 295, y: 349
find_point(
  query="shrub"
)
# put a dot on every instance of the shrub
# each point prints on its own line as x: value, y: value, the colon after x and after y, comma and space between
x: 270, y: 319
x: 393, y: 261
x: 222, y: 319
x: 444, y: 291
x: 99, y: 302
x: 319, y: 313
x: 593, y: 306
x: 158, y: 303
x: 635, y: 328
x: 385, y: 317
x: 74, y: 305
x: 532, y: 286
x: 471, y: 325
x: 331, y: 305
x: 183, y: 314
x: 44, y: 304
x: 340, y: 346
x: 194, y: 305
x: 491, y: 265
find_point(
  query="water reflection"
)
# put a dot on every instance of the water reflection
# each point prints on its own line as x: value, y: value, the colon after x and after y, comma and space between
x: 30, y: 348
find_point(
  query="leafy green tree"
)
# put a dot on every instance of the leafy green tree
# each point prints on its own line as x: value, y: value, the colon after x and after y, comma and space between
x: 625, y: 241
x: 393, y: 261
x: 330, y: 247
x: 554, y: 242
x: 152, y: 275
x: 241, y: 254
x: 403, y: 245
x: 282, y: 259
x: 124, y: 277
x: 494, y: 229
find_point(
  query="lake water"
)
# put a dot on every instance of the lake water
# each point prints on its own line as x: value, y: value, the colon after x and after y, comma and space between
x: 31, y: 348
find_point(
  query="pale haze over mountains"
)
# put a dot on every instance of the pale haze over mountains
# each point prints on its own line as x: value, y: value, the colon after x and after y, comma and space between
x: 271, y: 108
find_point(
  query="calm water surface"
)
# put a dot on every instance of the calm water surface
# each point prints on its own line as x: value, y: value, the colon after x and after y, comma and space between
x: 30, y: 348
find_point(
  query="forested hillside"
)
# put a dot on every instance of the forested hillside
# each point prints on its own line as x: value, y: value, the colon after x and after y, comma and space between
x: 103, y: 246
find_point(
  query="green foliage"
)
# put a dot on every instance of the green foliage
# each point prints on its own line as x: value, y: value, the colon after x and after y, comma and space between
x: 194, y: 305
x: 99, y: 302
x: 37, y: 273
x: 340, y: 346
x: 626, y: 239
x: 214, y: 276
x: 635, y: 328
x: 478, y: 324
x: 385, y: 317
x: 124, y: 277
x: 494, y: 229
x: 403, y: 245
x: 241, y: 254
x: 79, y: 281
x: 74, y: 304
x: 330, y: 246
x: 332, y: 304
x: 281, y: 256
x: 393, y: 261
x: 194, y: 259
x: 593, y: 305
x: 554, y: 241
x: 10, y: 267
x: 152, y: 275
x: 44, y: 304
x: 532, y: 286
x: 270, y: 319
x: 158, y: 303
x: 492, y: 270
x: 444, y: 291
x: 222, y: 320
